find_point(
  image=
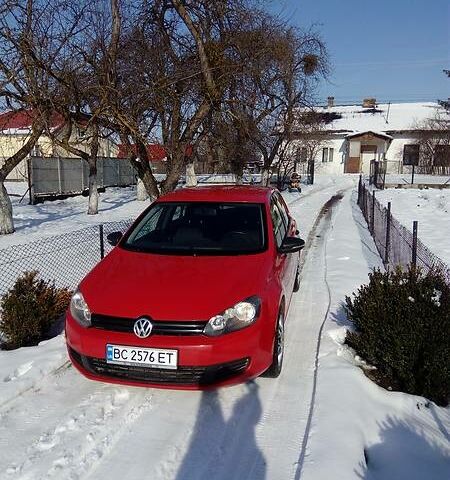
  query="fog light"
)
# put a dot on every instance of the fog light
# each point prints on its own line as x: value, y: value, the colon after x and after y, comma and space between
x: 216, y: 325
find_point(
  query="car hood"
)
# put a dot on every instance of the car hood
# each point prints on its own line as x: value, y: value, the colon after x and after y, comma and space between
x: 167, y: 287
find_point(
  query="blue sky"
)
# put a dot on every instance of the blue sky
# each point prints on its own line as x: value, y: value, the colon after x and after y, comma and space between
x: 394, y: 50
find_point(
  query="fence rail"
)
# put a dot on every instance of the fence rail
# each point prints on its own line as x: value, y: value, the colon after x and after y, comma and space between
x: 396, y: 244
x: 64, y: 259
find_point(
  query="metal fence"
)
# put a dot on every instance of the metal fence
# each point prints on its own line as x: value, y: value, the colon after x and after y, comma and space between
x: 67, y: 176
x: 377, y: 174
x: 64, y: 259
x: 396, y: 244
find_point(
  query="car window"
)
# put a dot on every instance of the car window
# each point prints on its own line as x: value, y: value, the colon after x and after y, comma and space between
x: 283, y: 209
x: 207, y: 228
x: 150, y: 224
x: 279, y: 226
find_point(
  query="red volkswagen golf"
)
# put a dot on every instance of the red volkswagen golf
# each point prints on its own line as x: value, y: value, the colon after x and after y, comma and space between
x: 195, y: 294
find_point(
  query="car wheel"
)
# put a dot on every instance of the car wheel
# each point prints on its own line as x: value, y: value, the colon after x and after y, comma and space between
x: 278, y: 350
x: 297, y: 279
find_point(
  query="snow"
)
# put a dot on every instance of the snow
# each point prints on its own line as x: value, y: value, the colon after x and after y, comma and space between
x: 402, y: 116
x: 35, y: 222
x: 401, y: 437
x: 56, y: 424
x: 430, y: 207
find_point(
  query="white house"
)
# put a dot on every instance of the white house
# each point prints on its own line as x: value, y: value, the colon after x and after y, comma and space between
x: 353, y: 135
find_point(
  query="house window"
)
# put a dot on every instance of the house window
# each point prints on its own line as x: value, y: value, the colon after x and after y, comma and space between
x: 411, y: 154
x: 327, y: 154
x: 442, y: 156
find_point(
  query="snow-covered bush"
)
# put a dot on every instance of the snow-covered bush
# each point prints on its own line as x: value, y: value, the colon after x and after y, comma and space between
x: 402, y: 327
x: 29, y: 309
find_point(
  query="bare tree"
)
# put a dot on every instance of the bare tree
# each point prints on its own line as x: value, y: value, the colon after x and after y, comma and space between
x: 433, y: 140
x: 23, y: 87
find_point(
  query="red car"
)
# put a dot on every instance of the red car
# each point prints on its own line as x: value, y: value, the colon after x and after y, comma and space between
x: 194, y: 295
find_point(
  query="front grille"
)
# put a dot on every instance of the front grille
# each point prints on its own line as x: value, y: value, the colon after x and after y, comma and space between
x: 182, y: 376
x: 121, y: 324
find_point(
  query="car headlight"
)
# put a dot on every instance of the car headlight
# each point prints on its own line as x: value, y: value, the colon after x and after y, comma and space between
x: 80, y: 310
x: 240, y: 316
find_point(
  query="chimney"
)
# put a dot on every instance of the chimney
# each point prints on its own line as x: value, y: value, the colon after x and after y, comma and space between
x: 330, y: 102
x: 369, y: 102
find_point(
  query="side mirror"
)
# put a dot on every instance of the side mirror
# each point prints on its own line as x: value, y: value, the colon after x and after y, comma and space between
x: 291, y: 245
x: 113, y: 238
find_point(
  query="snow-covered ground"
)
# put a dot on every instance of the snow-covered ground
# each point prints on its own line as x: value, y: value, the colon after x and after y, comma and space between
x: 35, y: 222
x: 359, y: 430
x: 314, y: 424
x: 430, y: 207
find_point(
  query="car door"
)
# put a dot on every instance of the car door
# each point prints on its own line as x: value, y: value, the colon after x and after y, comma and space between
x: 282, y: 260
x: 291, y: 229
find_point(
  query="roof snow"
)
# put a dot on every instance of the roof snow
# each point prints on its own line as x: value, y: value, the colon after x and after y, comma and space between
x: 382, y: 118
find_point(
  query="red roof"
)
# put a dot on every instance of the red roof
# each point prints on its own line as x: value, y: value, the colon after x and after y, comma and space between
x: 22, y: 120
x: 155, y: 152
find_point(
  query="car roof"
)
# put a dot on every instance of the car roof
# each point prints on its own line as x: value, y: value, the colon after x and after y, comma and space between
x: 219, y: 193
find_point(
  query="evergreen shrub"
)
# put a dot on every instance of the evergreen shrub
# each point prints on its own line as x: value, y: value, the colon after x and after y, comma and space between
x: 29, y: 310
x: 402, y: 327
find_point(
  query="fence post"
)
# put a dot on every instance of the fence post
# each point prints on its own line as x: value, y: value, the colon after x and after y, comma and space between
x: 359, y: 190
x: 59, y: 176
x: 414, y: 244
x: 388, y: 234
x: 372, y: 214
x: 365, y: 201
x: 102, y: 242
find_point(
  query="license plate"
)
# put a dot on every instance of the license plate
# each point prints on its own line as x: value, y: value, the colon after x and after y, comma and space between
x: 147, y: 357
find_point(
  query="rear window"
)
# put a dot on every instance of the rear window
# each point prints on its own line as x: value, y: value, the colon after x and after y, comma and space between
x: 197, y: 228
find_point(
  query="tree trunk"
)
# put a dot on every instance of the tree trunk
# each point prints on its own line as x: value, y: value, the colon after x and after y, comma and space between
x: 6, y: 219
x: 174, y: 172
x: 142, y: 193
x: 191, y: 178
x: 265, y: 177
x: 92, y: 162
x: 93, y: 191
x: 146, y: 186
x: 239, y: 178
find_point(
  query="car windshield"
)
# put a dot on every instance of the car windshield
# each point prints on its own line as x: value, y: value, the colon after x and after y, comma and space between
x: 194, y: 228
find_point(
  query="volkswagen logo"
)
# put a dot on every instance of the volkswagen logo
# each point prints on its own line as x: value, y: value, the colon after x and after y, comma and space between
x: 142, y: 327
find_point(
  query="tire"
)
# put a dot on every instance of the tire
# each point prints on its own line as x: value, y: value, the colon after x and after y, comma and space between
x: 297, y: 280
x: 278, y: 350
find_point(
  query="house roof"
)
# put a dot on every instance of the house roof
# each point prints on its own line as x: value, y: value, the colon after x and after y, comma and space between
x: 155, y: 152
x: 394, y: 117
x: 376, y: 134
x: 20, y: 121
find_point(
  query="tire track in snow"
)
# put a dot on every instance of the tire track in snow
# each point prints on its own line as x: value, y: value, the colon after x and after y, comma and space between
x: 66, y: 442
x: 326, y: 212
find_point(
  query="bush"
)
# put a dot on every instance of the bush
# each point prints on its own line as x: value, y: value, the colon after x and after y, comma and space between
x: 30, y: 309
x: 402, y: 327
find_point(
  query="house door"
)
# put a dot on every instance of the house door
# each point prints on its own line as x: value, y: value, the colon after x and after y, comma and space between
x: 368, y: 153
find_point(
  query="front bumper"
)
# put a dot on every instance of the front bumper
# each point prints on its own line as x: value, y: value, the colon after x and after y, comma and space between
x: 203, y: 362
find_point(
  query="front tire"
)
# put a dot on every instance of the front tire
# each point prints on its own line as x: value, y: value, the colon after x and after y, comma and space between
x: 278, y: 350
